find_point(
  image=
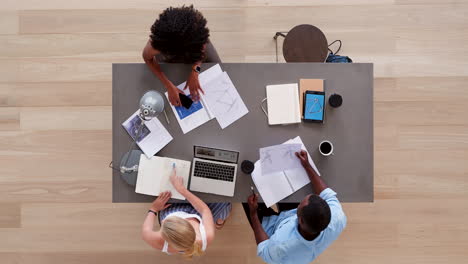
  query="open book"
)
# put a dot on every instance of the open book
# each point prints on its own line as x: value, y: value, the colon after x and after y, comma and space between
x: 154, y: 173
x: 274, y: 187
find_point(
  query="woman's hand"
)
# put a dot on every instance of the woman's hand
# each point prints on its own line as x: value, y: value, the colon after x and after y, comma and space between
x: 177, y: 181
x: 173, y: 93
x: 194, y: 86
x: 160, y: 202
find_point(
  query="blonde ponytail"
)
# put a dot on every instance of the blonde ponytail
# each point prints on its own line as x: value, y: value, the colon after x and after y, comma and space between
x: 180, y: 235
x: 195, y: 251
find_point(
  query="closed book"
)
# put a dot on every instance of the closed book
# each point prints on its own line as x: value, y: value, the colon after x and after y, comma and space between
x: 283, y: 104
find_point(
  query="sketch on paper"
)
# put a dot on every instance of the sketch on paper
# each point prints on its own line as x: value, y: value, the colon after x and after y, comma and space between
x: 224, y: 100
x: 279, y: 158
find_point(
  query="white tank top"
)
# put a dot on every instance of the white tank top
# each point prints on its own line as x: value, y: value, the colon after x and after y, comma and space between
x: 185, y: 215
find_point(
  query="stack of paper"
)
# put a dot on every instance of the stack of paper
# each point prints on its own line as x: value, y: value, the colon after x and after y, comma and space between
x: 221, y: 100
x: 154, y: 173
x: 277, y: 185
x: 153, y: 135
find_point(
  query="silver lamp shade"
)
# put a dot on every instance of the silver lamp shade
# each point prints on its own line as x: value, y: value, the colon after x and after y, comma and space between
x: 151, y: 105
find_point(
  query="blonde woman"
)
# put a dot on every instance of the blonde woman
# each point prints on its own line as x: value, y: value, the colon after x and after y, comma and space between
x: 186, y: 228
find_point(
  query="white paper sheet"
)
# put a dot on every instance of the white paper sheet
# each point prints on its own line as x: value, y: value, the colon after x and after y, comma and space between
x: 272, y: 187
x: 154, y: 173
x: 195, y: 119
x: 153, y: 137
x: 203, y: 115
x: 298, y: 177
x: 276, y: 186
x: 223, y: 100
x: 279, y: 158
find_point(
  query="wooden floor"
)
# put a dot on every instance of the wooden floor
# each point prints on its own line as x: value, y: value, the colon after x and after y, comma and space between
x: 55, y: 125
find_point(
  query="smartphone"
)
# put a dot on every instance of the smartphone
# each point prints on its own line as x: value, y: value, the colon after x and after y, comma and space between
x: 185, y: 100
x: 314, y: 106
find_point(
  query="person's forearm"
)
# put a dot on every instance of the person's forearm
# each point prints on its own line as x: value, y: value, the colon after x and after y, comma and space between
x: 318, y: 185
x: 155, y: 68
x: 259, y: 232
x: 149, y: 222
x: 196, y: 202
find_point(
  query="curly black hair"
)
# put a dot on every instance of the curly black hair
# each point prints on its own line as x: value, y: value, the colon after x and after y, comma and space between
x: 316, y: 214
x: 179, y: 34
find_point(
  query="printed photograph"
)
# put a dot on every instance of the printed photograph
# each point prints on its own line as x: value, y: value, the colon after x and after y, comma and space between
x: 133, y: 126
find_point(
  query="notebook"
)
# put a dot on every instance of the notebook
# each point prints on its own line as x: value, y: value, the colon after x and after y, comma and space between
x: 308, y: 85
x: 283, y: 104
x: 154, y: 173
x: 275, y: 186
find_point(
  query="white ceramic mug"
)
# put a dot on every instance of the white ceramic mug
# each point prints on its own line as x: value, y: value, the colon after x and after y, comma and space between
x: 324, y: 153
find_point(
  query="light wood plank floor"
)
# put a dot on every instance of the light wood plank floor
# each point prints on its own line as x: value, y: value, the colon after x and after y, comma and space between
x: 55, y: 121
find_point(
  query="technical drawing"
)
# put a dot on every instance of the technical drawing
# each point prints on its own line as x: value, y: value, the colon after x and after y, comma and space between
x: 224, y: 97
x: 314, y: 107
x: 266, y: 156
x: 289, y: 153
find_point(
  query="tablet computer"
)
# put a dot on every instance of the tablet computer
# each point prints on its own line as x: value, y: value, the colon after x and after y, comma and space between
x: 314, y: 106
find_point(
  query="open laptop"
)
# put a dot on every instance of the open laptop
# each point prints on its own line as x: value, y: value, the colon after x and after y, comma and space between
x: 214, y: 171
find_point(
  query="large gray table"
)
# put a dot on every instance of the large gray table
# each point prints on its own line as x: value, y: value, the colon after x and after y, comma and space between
x: 349, y: 172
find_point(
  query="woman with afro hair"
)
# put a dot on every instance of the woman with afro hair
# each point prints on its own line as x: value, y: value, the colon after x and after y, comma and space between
x: 179, y: 35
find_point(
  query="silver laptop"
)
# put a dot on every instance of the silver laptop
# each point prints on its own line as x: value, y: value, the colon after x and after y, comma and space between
x: 214, y: 171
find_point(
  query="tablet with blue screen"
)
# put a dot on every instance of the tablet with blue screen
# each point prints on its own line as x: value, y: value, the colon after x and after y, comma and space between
x: 314, y: 106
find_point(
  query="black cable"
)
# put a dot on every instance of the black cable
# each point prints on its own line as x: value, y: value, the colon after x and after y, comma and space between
x: 339, y: 47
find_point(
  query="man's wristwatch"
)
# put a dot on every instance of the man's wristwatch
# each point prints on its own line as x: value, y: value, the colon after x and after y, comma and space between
x: 197, y: 69
x: 151, y: 211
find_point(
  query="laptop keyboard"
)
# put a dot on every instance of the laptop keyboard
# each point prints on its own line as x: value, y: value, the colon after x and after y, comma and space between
x: 214, y: 171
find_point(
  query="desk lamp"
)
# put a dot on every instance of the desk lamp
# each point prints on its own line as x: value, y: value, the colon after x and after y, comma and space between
x: 151, y: 105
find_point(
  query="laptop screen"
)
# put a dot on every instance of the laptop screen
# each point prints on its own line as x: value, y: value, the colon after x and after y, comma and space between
x: 216, y: 154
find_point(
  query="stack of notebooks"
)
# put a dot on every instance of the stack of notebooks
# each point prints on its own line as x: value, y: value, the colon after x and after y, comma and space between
x: 285, y: 101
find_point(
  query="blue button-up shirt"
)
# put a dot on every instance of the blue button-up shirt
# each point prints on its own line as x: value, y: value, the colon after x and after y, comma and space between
x: 286, y: 245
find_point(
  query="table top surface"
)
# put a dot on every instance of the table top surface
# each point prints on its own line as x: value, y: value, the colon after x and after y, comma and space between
x: 350, y: 127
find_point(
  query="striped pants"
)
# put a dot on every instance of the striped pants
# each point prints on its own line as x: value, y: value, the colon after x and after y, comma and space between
x: 219, y: 210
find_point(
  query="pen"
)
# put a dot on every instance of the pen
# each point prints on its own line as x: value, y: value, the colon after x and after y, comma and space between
x: 251, y: 188
x: 165, y: 115
x: 173, y: 165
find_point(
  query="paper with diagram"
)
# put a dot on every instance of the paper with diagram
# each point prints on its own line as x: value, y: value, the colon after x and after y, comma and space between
x: 220, y: 100
x: 191, y: 119
x: 153, y: 175
x: 223, y: 100
x: 279, y: 158
x: 199, y: 113
x: 153, y: 135
x: 274, y: 187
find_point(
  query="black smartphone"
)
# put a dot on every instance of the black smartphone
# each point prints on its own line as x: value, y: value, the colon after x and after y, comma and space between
x: 185, y: 101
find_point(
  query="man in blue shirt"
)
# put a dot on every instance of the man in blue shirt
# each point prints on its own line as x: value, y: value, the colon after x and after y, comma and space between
x: 298, y: 235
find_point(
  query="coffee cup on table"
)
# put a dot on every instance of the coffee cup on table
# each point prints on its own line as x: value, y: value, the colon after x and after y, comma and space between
x: 326, y: 148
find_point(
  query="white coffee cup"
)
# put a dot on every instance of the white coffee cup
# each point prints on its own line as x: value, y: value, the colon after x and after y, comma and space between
x: 326, y: 148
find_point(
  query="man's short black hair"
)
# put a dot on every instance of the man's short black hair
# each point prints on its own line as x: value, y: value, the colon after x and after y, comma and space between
x: 316, y: 214
x: 180, y: 33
